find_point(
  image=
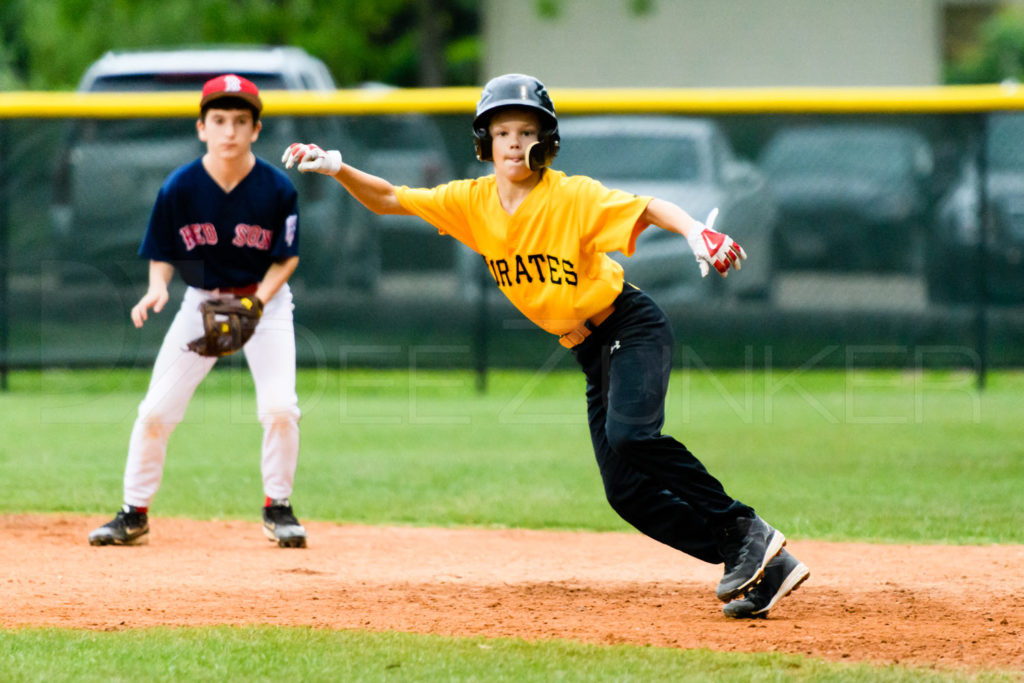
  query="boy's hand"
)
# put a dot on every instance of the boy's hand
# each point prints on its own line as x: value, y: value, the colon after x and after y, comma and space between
x: 155, y: 298
x: 714, y: 249
x: 311, y: 158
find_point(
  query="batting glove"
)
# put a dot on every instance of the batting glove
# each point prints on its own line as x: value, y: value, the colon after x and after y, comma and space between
x: 311, y: 158
x: 714, y: 249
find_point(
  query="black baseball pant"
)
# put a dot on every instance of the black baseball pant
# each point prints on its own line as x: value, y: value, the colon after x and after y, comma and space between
x: 650, y: 479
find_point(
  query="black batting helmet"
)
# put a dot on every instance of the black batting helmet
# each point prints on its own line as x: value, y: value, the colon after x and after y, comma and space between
x: 517, y: 90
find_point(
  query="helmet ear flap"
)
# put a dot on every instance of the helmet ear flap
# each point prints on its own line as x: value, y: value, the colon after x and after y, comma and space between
x: 540, y: 154
x: 535, y: 156
x: 483, y: 143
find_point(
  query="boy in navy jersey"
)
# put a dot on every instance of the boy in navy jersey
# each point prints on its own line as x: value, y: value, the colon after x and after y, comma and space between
x: 228, y: 224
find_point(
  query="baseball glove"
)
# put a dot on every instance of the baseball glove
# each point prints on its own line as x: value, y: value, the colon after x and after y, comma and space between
x: 228, y: 322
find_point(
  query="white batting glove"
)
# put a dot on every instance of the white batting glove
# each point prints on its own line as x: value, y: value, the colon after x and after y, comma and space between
x: 714, y: 249
x: 311, y: 158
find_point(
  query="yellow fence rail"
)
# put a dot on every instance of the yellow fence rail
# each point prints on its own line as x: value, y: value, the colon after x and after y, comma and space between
x: 462, y: 100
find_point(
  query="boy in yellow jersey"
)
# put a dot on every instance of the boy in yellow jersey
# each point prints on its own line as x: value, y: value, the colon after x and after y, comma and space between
x: 545, y: 237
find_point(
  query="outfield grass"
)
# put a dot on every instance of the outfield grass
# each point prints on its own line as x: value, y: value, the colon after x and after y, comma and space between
x: 880, y: 456
x: 877, y: 456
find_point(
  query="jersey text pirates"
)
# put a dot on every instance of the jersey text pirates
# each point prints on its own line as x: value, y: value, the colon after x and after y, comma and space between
x: 550, y: 256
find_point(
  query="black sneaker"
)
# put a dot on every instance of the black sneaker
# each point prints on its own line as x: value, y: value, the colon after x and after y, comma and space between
x: 782, y: 576
x: 280, y: 525
x: 747, y: 547
x: 130, y: 527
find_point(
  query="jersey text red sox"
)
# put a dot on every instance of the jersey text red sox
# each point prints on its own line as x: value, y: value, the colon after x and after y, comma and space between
x: 253, y: 236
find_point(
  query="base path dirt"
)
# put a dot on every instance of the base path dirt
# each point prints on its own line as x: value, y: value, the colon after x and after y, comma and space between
x: 944, y: 607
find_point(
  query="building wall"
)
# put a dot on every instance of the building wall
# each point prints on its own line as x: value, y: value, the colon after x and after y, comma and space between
x: 717, y: 43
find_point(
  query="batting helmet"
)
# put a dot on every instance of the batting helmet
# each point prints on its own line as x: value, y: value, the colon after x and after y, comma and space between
x: 517, y: 90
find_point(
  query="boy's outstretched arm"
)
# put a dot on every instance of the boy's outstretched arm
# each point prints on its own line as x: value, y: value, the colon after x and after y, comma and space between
x: 375, y: 193
x: 711, y: 249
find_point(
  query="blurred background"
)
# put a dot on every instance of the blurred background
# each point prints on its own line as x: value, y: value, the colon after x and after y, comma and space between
x: 890, y: 239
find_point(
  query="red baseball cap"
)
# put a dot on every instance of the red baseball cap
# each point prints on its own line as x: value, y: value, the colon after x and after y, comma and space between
x: 230, y: 85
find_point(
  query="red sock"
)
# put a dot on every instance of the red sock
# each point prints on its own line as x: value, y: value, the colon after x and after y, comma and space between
x: 267, y: 502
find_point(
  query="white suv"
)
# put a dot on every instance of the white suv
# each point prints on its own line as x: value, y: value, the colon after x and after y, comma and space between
x: 112, y: 169
x: 270, y: 68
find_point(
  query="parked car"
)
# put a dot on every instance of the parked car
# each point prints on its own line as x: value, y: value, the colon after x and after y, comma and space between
x: 850, y: 195
x: 957, y: 260
x: 691, y: 163
x: 112, y: 169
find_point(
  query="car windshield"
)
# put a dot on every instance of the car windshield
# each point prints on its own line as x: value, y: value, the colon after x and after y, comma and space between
x: 1006, y: 141
x: 630, y: 157
x: 877, y: 156
x: 149, y: 82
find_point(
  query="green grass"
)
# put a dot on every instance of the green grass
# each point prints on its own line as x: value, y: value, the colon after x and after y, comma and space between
x: 880, y: 456
x: 877, y: 456
x: 268, y: 654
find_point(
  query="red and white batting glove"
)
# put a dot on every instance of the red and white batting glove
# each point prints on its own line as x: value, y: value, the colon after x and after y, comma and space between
x: 309, y: 157
x: 714, y: 249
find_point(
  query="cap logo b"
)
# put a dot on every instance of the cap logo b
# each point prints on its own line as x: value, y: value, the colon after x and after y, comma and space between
x: 232, y: 84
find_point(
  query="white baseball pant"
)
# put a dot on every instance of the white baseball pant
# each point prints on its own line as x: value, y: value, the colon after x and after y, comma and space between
x: 270, y: 354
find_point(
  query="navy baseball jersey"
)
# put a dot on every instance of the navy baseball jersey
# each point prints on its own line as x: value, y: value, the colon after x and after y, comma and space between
x: 223, y: 239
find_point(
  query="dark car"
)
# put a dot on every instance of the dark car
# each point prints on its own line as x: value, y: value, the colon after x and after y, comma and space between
x: 959, y: 263
x: 111, y: 170
x: 852, y: 196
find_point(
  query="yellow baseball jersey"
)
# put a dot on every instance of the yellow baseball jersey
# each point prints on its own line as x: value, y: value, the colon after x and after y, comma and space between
x: 550, y: 256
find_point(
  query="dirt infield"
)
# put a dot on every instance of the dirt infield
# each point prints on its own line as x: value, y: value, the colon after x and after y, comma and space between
x: 945, y: 607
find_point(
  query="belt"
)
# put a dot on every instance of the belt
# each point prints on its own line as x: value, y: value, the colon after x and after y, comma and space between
x: 572, y: 338
x: 246, y: 290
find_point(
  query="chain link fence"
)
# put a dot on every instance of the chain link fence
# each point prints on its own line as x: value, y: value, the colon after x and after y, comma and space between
x: 874, y: 240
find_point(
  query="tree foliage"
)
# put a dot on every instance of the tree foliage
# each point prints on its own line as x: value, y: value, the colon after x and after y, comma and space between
x: 998, y: 54
x: 48, y: 45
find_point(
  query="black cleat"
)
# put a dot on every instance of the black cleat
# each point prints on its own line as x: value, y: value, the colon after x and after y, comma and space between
x: 747, y: 547
x: 281, y: 526
x: 130, y: 527
x: 782, y: 576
